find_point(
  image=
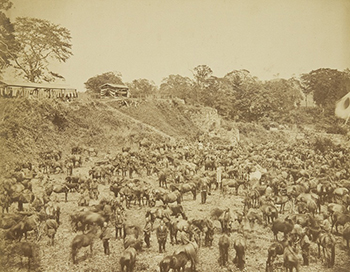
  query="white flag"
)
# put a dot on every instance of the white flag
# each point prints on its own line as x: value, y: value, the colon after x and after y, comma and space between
x: 342, y: 107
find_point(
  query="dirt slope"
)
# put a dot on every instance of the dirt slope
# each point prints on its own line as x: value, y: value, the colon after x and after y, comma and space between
x: 30, y: 126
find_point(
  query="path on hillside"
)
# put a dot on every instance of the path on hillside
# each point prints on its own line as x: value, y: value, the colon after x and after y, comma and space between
x: 126, y: 116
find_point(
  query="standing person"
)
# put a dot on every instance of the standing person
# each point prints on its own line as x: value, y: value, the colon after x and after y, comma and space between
x: 305, y: 248
x: 162, y: 235
x: 119, y: 224
x: 147, y: 232
x: 204, y: 190
x: 184, y: 237
x: 219, y: 177
x: 94, y: 189
x: 105, y: 236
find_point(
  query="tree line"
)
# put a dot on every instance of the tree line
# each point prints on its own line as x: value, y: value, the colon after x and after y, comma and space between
x: 29, y: 45
x: 240, y: 96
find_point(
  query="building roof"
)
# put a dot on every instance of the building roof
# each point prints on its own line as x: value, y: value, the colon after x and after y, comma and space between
x: 35, y: 85
x: 116, y: 86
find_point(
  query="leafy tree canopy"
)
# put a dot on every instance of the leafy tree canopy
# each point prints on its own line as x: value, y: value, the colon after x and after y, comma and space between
x: 201, y: 74
x: 8, y: 46
x: 40, y: 41
x: 5, y: 4
x: 93, y: 84
x: 175, y: 85
x: 142, y: 88
x: 327, y: 85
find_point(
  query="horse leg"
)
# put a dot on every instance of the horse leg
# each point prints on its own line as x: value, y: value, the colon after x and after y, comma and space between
x: 20, y: 206
x: 66, y: 195
x: 74, y: 253
x: 29, y: 263
x: 336, y: 227
x: 324, y: 252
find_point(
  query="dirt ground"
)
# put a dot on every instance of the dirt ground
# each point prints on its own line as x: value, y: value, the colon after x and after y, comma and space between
x: 57, y: 257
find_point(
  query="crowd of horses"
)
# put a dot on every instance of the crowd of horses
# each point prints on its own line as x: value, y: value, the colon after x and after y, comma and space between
x: 295, y: 189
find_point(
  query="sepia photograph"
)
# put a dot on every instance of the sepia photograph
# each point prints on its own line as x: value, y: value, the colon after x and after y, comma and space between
x: 174, y: 135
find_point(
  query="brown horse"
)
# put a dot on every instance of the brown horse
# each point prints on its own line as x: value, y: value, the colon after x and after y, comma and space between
x: 233, y: 183
x: 169, y: 197
x: 28, y: 223
x: 178, y: 262
x: 7, y: 221
x: 346, y: 233
x: 191, y: 250
x: 81, y: 220
x: 339, y: 218
x: 176, y: 226
x: 282, y: 201
x: 240, y: 244
x: 128, y: 259
x: 50, y: 229
x: 132, y: 237
x: 59, y: 188
x: 185, y: 188
x: 224, y: 216
x: 53, y: 211
x: 25, y: 249
x: 82, y: 240
x: 206, y: 226
x: 291, y: 259
x: 276, y: 248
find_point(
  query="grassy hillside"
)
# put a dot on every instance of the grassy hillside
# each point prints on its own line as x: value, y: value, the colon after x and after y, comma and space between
x: 168, y: 116
x: 28, y: 127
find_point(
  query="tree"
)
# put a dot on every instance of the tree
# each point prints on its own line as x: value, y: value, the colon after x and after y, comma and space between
x: 5, y: 4
x: 176, y: 85
x: 40, y: 41
x: 246, y: 95
x: 327, y: 85
x: 142, y: 88
x: 284, y: 95
x: 8, y: 45
x: 93, y: 84
x: 201, y: 74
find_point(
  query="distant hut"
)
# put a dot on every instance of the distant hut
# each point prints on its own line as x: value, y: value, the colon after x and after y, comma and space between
x: 114, y: 90
x: 10, y: 89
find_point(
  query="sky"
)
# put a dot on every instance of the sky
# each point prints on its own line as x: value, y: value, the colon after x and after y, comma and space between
x: 153, y: 39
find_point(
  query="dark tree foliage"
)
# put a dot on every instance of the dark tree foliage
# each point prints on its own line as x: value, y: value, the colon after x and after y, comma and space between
x: 327, y: 85
x: 8, y: 45
x: 5, y: 4
x: 285, y: 95
x: 142, y: 88
x: 93, y: 84
x: 40, y: 42
x: 176, y: 86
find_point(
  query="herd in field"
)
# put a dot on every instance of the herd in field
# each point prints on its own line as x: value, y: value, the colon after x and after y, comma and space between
x: 300, y: 193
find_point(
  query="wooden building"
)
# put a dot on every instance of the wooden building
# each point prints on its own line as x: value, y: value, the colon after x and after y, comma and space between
x: 36, y: 90
x: 114, y: 90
